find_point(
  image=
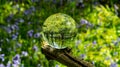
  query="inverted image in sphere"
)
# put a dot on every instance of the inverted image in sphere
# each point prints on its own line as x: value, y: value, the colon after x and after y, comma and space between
x: 59, y: 23
x: 59, y: 28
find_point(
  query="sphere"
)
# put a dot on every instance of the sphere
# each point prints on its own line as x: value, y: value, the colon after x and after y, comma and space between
x: 59, y: 27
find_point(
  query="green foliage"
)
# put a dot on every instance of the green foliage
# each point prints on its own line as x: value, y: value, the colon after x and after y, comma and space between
x: 21, y: 24
x: 100, y: 43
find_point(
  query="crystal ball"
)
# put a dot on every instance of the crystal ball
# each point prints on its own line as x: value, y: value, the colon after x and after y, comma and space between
x: 60, y: 29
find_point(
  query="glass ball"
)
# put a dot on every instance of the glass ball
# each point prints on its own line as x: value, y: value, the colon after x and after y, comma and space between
x: 60, y: 29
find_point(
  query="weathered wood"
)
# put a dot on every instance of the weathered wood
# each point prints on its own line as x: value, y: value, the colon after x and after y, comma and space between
x: 63, y: 56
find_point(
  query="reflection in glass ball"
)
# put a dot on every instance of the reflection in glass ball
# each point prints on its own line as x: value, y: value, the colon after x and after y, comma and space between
x: 60, y: 30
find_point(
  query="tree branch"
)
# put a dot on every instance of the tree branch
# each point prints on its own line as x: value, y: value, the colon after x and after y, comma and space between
x: 63, y: 56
